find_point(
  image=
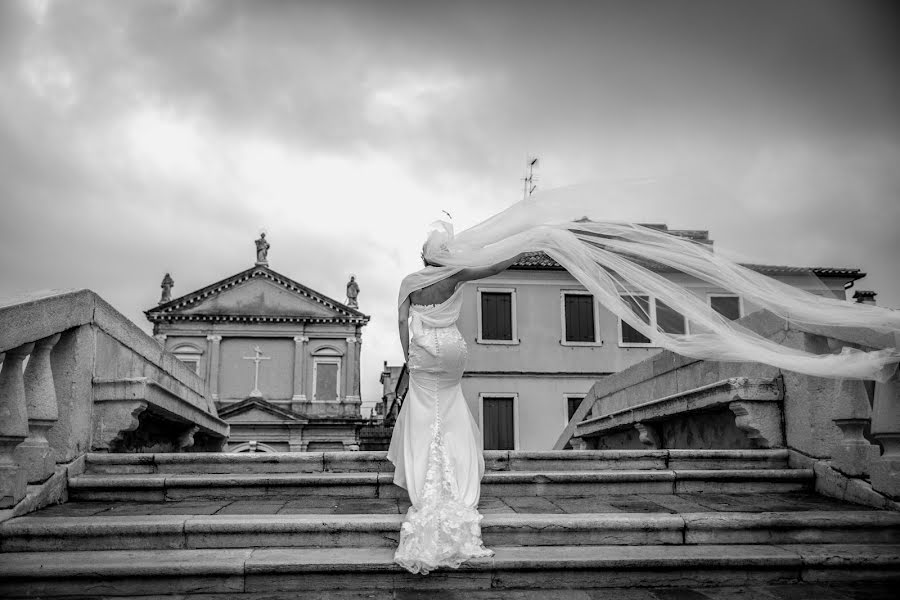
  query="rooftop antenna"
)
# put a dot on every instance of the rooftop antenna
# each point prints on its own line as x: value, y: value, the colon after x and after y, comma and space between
x: 528, y: 185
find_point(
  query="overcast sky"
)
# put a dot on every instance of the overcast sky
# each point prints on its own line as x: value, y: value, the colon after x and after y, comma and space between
x: 145, y: 137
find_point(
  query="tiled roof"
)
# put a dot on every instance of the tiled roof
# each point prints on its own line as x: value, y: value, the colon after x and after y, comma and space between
x: 818, y: 271
x: 539, y: 260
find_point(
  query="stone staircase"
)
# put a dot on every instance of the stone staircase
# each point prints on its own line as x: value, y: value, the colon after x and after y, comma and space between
x: 209, y: 525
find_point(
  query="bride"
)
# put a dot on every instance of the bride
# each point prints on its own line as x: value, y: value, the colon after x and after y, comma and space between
x: 436, y: 447
x: 442, y: 527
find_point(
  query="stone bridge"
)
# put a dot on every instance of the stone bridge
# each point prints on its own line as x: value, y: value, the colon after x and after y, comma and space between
x: 77, y: 376
x: 848, y: 430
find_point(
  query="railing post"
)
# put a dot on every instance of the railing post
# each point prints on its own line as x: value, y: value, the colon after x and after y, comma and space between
x: 853, y: 454
x: 649, y: 436
x: 35, y: 455
x: 885, y: 470
x: 13, y: 425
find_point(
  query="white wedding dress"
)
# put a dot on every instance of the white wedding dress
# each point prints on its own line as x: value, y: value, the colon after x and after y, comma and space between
x: 436, y: 447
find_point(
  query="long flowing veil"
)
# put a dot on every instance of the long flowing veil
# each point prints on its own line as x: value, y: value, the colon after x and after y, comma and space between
x: 617, y: 261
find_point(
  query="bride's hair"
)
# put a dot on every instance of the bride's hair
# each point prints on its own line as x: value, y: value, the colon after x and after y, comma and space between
x: 427, y: 261
x: 439, y: 236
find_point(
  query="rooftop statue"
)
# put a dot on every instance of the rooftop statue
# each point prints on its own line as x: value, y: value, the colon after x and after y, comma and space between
x: 262, y: 250
x: 166, y: 286
x: 352, y: 292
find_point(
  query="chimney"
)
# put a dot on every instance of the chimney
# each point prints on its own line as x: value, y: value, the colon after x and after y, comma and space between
x: 864, y: 297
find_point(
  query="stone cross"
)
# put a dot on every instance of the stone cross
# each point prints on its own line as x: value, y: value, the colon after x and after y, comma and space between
x: 256, y: 359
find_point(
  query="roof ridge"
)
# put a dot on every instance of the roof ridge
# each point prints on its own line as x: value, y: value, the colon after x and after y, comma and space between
x: 541, y: 260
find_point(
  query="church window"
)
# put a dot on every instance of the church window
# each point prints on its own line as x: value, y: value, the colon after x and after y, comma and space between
x: 497, y: 316
x: 253, y: 446
x: 190, y: 355
x: 579, y: 318
x: 326, y: 379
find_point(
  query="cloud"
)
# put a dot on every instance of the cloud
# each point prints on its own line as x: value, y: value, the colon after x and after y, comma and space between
x: 138, y: 138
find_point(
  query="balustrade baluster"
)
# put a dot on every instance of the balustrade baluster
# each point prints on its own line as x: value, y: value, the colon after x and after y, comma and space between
x: 853, y: 454
x: 885, y: 470
x: 13, y: 425
x: 35, y: 455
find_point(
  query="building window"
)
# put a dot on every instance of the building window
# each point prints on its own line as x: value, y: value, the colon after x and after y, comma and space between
x: 630, y: 335
x: 497, y: 316
x: 573, y: 401
x: 727, y: 305
x: 192, y: 363
x: 253, y: 446
x: 499, y: 421
x: 653, y: 312
x: 579, y: 318
x: 669, y: 320
x: 326, y: 379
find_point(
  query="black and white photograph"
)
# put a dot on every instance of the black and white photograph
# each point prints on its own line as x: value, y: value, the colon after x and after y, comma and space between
x: 450, y: 300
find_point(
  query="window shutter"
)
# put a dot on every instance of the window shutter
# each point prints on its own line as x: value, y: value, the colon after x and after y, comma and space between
x: 727, y: 306
x: 579, y: 312
x: 496, y: 316
x: 668, y: 319
x: 641, y: 306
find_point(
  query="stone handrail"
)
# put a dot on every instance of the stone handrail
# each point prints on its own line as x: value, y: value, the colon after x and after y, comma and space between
x: 824, y: 419
x: 752, y: 401
x: 92, y: 380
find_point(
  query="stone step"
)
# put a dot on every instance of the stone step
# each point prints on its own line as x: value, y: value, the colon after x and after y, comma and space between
x: 54, y: 534
x: 350, y: 462
x: 242, y: 572
x: 162, y: 487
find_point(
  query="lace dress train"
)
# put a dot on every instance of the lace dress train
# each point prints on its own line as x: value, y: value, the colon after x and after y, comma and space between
x: 436, y: 449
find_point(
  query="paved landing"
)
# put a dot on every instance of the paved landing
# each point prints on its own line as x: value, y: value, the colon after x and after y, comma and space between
x: 835, y: 591
x: 629, y: 503
x: 800, y: 591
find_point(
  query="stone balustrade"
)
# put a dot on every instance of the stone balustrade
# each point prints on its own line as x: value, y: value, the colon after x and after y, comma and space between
x: 734, y: 413
x: 850, y: 425
x: 396, y: 398
x: 75, y: 376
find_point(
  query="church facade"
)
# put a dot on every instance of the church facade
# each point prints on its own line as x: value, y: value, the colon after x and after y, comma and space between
x: 282, y: 361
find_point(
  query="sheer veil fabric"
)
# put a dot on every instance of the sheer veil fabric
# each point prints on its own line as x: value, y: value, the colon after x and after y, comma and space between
x: 615, y: 260
x: 436, y: 445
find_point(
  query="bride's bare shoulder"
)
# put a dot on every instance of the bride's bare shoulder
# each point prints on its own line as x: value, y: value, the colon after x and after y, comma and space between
x: 436, y: 293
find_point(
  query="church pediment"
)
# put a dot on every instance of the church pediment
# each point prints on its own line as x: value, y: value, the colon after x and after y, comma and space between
x: 258, y: 294
x: 255, y: 410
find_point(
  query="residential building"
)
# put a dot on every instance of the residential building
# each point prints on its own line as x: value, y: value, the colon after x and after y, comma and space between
x: 538, y: 340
